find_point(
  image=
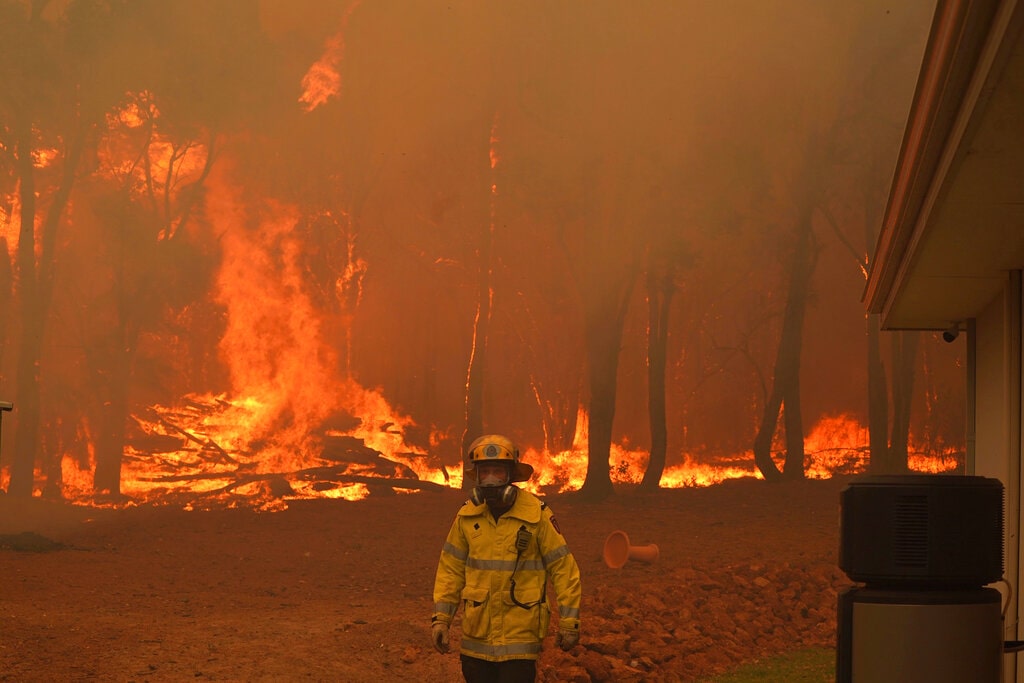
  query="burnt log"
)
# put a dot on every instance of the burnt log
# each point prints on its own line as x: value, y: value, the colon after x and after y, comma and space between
x: 207, y: 445
x: 342, y: 448
x: 352, y: 451
x: 155, y: 443
x: 323, y: 476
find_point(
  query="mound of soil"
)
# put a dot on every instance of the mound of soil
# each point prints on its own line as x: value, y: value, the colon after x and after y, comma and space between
x: 333, y: 590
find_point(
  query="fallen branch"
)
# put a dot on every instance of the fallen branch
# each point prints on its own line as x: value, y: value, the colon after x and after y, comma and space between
x: 370, y: 482
x: 208, y: 444
x: 337, y: 474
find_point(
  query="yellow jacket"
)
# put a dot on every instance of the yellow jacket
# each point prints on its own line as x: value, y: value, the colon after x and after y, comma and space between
x: 476, y: 570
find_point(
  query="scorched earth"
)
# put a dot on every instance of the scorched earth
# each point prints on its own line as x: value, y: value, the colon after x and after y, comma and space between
x: 335, y: 590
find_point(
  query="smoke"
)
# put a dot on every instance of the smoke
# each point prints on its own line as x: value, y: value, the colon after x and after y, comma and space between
x: 344, y: 243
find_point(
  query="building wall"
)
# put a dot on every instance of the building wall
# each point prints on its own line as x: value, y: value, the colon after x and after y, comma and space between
x: 998, y: 354
x: 991, y: 454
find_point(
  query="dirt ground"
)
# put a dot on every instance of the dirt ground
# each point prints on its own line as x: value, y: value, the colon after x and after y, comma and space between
x: 332, y: 590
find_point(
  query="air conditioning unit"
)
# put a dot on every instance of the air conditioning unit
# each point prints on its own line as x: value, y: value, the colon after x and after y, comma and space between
x: 936, y: 531
x: 924, y: 546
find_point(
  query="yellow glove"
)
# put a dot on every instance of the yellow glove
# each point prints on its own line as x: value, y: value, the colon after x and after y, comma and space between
x: 567, y: 639
x: 439, y: 636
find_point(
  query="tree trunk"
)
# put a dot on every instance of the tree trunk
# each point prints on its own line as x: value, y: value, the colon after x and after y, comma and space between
x: 794, y: 421
x: 36, y: 286
x: 27, y: 382
x: 660, y: 293
x: 46, y: 274
x: 605, y: 318
x: 110, y: 439
x: 904, y: 357
x: 786, y: 380
x: 765, y: 434
x: 6, y: 296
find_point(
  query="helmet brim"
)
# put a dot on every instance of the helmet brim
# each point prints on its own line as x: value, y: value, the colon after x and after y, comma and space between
x: 521, y: 472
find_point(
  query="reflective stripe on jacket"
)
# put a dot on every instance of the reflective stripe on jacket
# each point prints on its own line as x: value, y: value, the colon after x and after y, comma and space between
x: 476, y: 570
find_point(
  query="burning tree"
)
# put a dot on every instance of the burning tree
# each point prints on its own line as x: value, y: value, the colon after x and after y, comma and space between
x: 233, y: 229
x: 53, y: 102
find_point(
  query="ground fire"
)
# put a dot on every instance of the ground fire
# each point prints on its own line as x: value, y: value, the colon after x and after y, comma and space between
x: 199, y: 454
x: 258, y: 253
x: 267, y: 268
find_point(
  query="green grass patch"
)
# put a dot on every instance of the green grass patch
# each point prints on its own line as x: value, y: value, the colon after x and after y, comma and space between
x: 813, y: 665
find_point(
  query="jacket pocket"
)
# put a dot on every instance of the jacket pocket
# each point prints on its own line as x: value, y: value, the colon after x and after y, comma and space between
x: 527, y: 623
x: 475, y: 622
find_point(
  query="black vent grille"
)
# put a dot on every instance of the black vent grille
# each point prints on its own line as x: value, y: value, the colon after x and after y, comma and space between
x: 922, y: 530
x: 910, y: 532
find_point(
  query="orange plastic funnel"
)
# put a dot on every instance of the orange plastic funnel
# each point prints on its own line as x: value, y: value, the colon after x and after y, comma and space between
x: 618, y: 551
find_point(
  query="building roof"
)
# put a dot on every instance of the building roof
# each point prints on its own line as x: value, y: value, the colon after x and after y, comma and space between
x: 954, y: 224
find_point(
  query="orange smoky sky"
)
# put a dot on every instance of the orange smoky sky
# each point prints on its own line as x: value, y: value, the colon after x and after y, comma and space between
x: 297, y: 201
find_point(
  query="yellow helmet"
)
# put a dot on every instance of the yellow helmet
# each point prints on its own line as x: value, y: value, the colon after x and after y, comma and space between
x: 497, y: 448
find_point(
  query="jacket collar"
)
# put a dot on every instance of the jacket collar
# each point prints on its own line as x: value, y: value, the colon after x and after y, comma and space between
x: 526, y: 508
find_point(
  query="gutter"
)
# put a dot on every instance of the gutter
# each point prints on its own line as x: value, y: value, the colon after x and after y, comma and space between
x: 961, y: 49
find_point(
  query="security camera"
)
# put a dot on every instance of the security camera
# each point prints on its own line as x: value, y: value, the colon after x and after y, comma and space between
x: 951, y: 333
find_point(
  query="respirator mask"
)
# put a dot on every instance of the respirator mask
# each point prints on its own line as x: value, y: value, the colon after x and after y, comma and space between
x: 493, y: 485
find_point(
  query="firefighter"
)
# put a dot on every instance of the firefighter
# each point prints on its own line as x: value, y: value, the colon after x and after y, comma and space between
x: 501, y: 550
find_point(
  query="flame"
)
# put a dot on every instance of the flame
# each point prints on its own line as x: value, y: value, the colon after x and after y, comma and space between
x: 938, y: 463
x: 289, y: 427
x: 222, y: 450
x: 229, y: 459
x: 493, y: 150
x: 143, y: 158
x: 75, y: 478
x: 322, y: 80
x: 268, y: 438
x: 10, y: 220
x: 10, y: 204
x: 836, y: 445
x: 41, y: 158
x: 272, y: 344
x: 293, y: 426
x: 131, y: 115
